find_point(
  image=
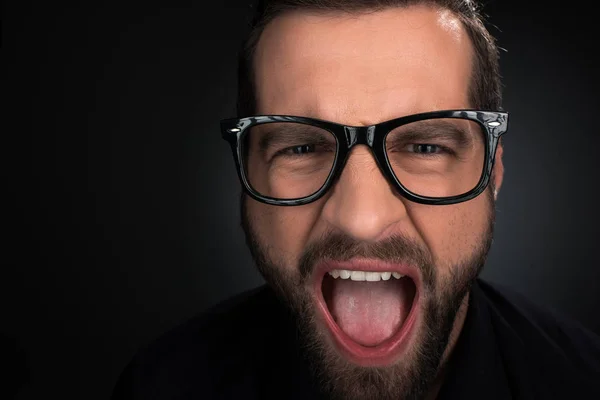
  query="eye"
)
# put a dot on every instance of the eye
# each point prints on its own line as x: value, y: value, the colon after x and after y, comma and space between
x: 423, y: 148
x: 298, y: 150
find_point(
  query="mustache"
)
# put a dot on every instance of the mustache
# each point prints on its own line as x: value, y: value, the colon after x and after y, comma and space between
x: 394, y: 249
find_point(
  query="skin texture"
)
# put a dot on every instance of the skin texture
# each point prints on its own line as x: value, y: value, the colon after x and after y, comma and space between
x: 361, y: 69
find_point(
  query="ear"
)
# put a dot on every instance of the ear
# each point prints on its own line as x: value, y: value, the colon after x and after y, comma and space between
x: 498, y: 171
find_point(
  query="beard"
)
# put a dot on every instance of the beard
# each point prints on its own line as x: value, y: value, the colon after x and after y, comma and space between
x: 415, y: 373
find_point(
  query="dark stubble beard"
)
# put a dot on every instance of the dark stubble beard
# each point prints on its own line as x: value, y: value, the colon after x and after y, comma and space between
x: 412, y: 376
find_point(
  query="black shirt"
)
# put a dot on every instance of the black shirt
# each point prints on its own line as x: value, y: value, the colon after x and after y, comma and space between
x: 246, y: 348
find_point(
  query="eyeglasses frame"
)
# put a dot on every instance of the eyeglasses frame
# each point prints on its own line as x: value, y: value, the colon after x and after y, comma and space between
x: 494, y: 124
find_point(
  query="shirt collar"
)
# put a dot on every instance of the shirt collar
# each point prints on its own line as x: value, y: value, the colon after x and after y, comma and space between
x: 475, y: 369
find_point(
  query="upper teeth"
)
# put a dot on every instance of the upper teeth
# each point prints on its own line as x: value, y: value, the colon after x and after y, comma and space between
x: 364, y: 275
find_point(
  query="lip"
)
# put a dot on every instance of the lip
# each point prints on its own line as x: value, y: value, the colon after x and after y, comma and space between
x: 388, y: 351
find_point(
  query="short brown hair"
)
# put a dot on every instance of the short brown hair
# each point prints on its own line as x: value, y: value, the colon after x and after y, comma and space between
x: 485, y: 88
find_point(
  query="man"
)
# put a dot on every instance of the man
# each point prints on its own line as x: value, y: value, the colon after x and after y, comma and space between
x: 370, y: 154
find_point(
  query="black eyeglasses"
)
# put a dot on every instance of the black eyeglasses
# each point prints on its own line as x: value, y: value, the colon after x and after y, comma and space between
x: 437, y: 158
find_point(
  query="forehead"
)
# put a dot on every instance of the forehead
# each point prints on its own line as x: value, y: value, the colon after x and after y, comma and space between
x: 363, y: 67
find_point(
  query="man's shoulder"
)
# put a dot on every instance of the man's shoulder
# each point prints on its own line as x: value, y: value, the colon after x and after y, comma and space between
x: 528, y: 320
x: 546, y: 343
x: 213, y: 344
x: 231, y: 322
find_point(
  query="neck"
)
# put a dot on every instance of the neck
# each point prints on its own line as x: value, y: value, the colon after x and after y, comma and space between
x: 457, y: 327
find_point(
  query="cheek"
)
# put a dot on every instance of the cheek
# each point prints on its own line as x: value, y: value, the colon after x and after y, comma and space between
x: 283, y: 231
x: 452, y: 233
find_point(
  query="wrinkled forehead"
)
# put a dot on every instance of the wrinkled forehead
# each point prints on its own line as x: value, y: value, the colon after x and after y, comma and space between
x: 385, y: 63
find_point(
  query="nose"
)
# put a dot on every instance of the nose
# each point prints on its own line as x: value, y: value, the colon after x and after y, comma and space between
x: 362, y: 203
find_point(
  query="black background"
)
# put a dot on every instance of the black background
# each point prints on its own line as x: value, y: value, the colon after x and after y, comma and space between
x: 120, y: 217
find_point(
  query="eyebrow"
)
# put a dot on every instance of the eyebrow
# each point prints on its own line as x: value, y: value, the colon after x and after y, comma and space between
x: 427, y: 130
x: 279, y: 135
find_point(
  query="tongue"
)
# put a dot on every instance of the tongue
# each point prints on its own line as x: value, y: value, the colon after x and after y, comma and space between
x: 370, y: 312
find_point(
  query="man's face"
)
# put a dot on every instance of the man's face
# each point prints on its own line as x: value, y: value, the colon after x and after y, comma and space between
x: 389, y: 337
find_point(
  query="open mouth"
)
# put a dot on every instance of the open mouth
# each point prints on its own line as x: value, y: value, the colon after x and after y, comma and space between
x: 369, y: 308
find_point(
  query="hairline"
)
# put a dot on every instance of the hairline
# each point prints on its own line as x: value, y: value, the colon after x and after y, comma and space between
x: 248, y: 51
